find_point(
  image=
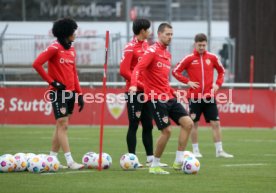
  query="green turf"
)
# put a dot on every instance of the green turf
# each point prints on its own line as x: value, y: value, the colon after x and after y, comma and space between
x: 255, y: 147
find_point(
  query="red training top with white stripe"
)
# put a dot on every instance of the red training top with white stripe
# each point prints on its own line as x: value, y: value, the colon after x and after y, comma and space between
x: 200, y: 68
x: 133, y: 52
x: 61, y: 66
x: 155, y: 66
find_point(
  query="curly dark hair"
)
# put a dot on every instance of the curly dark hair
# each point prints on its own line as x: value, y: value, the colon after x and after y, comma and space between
x: 63, y: 28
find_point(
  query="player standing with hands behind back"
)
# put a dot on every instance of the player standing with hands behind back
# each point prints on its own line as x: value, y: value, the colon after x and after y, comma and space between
x: 200, y: 66
x: 64, y: 83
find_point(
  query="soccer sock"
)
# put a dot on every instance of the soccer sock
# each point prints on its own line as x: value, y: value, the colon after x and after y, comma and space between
x: 179, y: 156
x: 131, y: 136
x: 52, y: 153
x: 68, y: 158
x: 195, y: 147
x: 218, y: 146
x: 150, y: 158
x: 155, y: 162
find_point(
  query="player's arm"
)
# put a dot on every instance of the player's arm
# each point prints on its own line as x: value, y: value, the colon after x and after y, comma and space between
x: 140, y: 67
x: 220, y: 69
x: 45, y: 56
x: 78, y: 89
x: 126, y: 64
x: 178, y: 70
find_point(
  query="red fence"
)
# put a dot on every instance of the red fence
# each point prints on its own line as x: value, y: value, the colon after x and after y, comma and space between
x: 26, y: 105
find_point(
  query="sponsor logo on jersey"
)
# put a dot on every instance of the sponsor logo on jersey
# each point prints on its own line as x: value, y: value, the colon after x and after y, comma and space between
x: 195, y: 62
x: 162, y: 65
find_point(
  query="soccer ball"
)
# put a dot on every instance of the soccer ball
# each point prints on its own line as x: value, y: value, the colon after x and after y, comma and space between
x: 29, y: 155
x: 108, y: 157
x: 188, y: 154
x: 191, y: 165
x: 87, y: 159
x: 7, y: 163
x: 20, y: 162
x: 51, y: 163
x: 36, y: 164
x: 95, y: 162
x: 129, y: 161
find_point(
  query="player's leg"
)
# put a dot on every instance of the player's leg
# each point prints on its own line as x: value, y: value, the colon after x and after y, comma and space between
x: 211, y: 115
x: 179, y: 115
x: 161, y: 118
x: 195, y: 113
x: 134, y: 113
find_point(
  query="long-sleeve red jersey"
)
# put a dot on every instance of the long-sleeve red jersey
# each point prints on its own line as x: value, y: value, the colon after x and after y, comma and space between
x: 133, y: 52
x: 61, y: 66
x: 200, y: 68
x: 155, y: 66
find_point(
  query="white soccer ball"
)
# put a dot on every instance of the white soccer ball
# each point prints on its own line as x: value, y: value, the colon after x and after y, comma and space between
x: 188, y: 154
x: 95, y: 162
x: 129, y: 161
x: 20, y: 162
x: 191, y: 165
x: 36, y: 164
x: 7, y: 163
x: 108, y: 157
x: 87, y: 159
x: 29, y: 155
x: 51, y: 163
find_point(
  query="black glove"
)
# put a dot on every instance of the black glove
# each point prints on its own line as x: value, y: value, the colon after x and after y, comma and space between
x: 80, y: 102
x: 58, y: 85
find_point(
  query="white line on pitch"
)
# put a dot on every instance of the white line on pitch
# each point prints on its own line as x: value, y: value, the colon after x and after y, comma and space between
x: 240, y: 165
x: 72, y: 172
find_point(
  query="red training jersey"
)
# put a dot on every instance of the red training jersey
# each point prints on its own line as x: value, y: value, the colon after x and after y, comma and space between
x: 200, y: 68
x: 133, y: 52
x: 61, y: 66
x: 155, y: 66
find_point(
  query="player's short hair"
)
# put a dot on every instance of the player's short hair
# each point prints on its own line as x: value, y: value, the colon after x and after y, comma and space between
x: 140, y: 24
x: 63, y: 28
x: 162, y: 27
x: 201, y: 37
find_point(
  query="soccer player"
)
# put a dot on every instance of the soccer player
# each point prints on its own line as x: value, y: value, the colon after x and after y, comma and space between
x: 137, y: 111
x: 63, y: 80
x: 200, y: 66
x: 155, y: 67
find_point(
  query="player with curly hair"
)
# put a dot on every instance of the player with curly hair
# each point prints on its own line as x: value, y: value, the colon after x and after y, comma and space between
x: 64, y: 83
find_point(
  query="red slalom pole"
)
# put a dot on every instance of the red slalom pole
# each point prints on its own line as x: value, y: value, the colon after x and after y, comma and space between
x: 104, y: 102
x: 251, y: 80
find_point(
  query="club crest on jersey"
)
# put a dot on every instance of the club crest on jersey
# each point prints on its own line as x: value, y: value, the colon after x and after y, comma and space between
x: 208, y: 61
x: 165, y: 119
x: 193, y: 116
x: 62, y: 110
x: 138, y: 114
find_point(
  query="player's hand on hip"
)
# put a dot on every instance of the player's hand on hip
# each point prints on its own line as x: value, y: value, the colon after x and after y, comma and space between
x: 193, y: 85
x: 215, y: 88
x: 132, y: 89
x: 58, y: 85
x: 80, y: 102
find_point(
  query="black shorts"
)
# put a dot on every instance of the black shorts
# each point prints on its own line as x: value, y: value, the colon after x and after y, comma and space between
x: 137, y: 108
x: 163, y: 111
x: 208, y: 108
x: 65, y: 107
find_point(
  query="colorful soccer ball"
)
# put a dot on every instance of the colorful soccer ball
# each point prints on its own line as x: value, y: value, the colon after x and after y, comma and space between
x: 108, y: 157
x: 188, y: 154
x: 191, y: 165
x: 95, y: 162
x: 87, y: 159
x: 36, y: 164
x: 7, y: 163
x: 129, y: 161
x: 20, y: 162
x: 51, y: 163
x: 29, y: 155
